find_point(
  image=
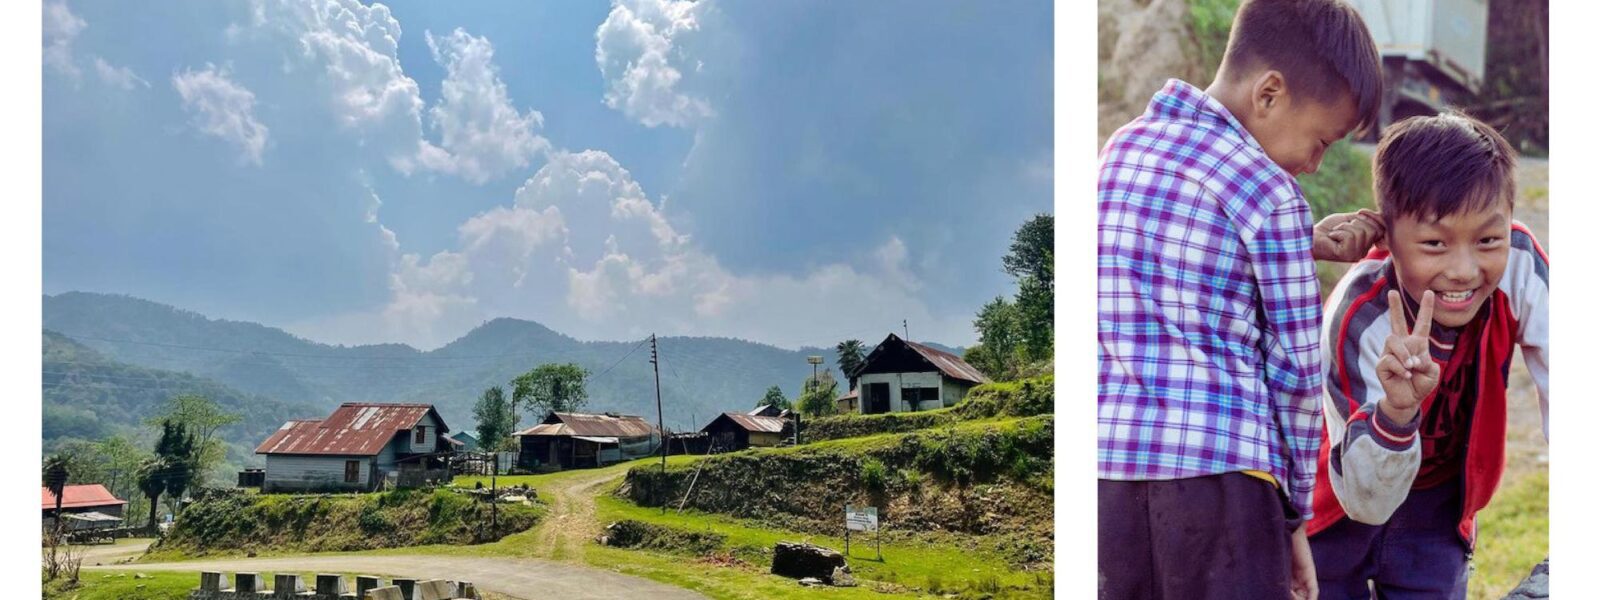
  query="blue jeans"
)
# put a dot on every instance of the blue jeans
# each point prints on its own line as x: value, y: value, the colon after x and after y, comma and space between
x: 1416, y: 554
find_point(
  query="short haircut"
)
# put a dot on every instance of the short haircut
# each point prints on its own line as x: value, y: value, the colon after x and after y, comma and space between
x: 1322, y: 48
x: 1434, y: 167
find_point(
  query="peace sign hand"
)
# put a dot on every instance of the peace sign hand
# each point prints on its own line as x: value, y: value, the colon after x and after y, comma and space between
x: 1406, y: 370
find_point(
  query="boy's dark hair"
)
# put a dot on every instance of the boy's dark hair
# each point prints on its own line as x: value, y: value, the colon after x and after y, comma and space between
x: 1322, y: 48
x: 1433, y: 167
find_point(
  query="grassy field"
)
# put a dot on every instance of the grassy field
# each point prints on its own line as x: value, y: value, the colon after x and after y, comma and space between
x: 1513, y: 536
x: 122, y: 586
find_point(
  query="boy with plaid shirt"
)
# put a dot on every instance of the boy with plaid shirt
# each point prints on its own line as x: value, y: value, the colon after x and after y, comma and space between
x: 1209, y: 372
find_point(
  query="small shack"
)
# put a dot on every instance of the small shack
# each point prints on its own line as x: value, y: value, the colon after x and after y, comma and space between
x: 464, y: 442
x: 736, y: 431
x: 579, y: 440
x: 89, y: 506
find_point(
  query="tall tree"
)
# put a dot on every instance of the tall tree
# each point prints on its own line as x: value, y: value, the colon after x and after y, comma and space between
x: 1033, y: 251
x: 200, y: 418
x: 999, y: 334
x: 494, y: 419
x: 775, y: 398
x: 551, y: 388
x: 55, y: 478
x: 852, y: 353
x: 152, y: 483
x: 178, y: 452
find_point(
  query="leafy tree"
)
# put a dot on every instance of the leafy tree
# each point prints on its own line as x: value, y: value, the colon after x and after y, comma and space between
x: 820, y: 397
x: 1035, y: 317
x: 199, y: 418
x: 852, y: 353
x: 494, y: 419
x: 999, y: 325
x: 152, y: 482
x: 1033, y: 251
x: 550, y: 388
x: 176, y: 450
x: 775, y: 398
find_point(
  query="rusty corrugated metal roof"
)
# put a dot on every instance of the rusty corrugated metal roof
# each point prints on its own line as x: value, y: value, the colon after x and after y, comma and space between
x: 354, y: 429
x: 948, y: 363
x: 755, y: 422
x: 591, y: 425
x: 79, y: 496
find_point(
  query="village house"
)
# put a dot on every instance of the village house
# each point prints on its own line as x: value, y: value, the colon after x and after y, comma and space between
x: 464, y: 442
x: 904, y: 376
x: 88, y: 506
x: 763, y: 426
x: 571, y: 440
x: 358, y: 448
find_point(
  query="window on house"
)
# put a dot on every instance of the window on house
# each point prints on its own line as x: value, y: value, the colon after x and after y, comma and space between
x: 919, y: 398
x: 422, y: 435
x: 352, y: 471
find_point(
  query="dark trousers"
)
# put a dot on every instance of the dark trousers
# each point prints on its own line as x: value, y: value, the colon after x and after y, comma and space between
x: 1221, y: 536
x: 1417, y: 554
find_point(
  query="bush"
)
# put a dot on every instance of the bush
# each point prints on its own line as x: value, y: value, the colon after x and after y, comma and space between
x: 874, y: 475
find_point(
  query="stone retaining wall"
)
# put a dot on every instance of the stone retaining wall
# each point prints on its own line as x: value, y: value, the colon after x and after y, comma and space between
x: 252, y: 586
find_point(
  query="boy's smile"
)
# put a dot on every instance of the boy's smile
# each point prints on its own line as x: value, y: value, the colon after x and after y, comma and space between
x: 1460, y: 257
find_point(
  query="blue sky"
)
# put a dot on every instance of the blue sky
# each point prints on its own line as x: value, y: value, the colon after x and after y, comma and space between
x: 786, y: 172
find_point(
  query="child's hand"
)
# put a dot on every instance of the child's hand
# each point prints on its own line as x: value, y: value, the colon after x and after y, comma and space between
x: 1302, y: 569
x: 1407, y: 370
x: 1346, y: 237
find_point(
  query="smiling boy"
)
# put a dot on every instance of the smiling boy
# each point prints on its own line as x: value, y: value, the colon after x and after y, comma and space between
x: 1209, y: 308
x: 1418, y: 341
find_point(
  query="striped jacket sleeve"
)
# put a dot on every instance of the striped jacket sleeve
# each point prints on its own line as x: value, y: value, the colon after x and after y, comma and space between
x: 1372, y: 459
x: 1527, y: 285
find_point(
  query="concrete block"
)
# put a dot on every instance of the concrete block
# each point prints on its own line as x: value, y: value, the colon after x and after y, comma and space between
x: 248, y: 583
x: 465, y: 589
x: 330, y: 584
x: 407, y: 587
x: 434, y: 589
x: 211, y: 581
x: 286, y: 585
x: 388, y: 592
x: 366, y: 583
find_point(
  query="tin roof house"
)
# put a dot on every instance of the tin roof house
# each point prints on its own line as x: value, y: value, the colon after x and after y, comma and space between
x: 572, y: 440
x: 904, y: 376
x: 83, y: 506
x: 762, y: 426
x: 357, y: 448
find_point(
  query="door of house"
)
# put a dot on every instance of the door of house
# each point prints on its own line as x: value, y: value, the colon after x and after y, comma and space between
x: 875, y: 398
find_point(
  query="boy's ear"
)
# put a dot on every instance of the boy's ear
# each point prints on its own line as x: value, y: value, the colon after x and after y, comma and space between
x: 1268, y: 92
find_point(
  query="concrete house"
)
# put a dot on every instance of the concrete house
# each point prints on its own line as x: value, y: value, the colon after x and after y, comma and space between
x: 357, y: 448
x: 763, y: 426
x: 571, y: 440
x: 904, y: 376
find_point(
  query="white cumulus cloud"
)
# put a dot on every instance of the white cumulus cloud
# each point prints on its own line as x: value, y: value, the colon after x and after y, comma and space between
x: 643, y: 68
x: 61, y: 27
x: 479, y: 129
x: 121, y: 77
x: 583, y: 249
x: 223, y: 109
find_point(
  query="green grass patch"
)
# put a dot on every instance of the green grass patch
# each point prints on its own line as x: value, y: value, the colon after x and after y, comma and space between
x: 1022, y: 398
x: 229, y: 523
x: 911, y: 563
x: 1513, y: 536
x: 123, y: 585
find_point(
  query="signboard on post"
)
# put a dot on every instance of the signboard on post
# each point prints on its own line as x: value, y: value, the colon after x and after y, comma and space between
x: 861, y: 518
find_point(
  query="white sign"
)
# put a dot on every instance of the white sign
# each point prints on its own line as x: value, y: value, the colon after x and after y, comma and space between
x: 861, y: 518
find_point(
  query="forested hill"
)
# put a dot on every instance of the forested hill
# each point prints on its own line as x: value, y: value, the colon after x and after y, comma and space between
x: 88, y: 396
x: 700, y: 376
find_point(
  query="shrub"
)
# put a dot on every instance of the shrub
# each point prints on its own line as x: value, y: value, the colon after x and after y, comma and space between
x: 874, y: 475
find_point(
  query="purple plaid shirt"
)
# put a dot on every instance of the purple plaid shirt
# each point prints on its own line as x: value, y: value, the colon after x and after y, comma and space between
x: 1209, y: 311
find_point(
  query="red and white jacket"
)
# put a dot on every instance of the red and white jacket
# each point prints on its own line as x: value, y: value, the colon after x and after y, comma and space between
x: 1367, y: 463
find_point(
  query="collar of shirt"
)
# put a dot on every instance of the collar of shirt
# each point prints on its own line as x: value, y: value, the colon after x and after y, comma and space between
x: 1179, y: 100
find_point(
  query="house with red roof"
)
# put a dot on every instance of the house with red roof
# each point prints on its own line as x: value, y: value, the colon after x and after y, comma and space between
x: 575, y: 440
x: 903, y: 376
x: 359, y: 447
x: 83, y: 506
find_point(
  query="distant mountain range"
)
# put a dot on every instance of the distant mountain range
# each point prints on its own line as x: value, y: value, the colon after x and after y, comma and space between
x: 252, y: 363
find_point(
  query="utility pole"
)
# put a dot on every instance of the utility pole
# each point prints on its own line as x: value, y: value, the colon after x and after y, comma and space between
x: 812, y: 388
x: 494, y: 495
x: 661, y: 422
x: 906, y: 328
